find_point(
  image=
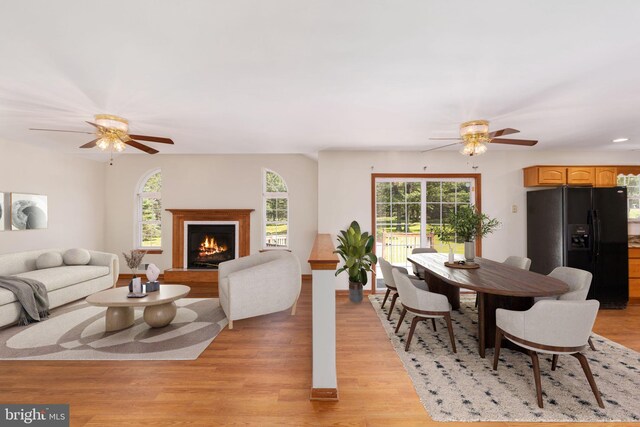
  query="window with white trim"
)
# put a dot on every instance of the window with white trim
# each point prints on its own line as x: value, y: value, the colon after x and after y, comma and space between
x: 275, y: 220
x: 149, y: 211
x: 632, y: 182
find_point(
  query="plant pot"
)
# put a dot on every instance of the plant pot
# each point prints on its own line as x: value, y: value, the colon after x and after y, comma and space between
x: 469, y: 251
x: 131, y: 282
x: 355, y: 292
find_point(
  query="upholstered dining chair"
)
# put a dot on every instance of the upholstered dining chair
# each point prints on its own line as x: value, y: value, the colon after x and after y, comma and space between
x: 551, y: 327
x: 518, y: 262
x: 419, y: 271
x: 390, y: 283
x: 423, y: 305
x: 579, y: 282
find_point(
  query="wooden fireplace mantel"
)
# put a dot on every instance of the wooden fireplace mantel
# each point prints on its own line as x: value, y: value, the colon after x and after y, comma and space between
x: 184, y: 275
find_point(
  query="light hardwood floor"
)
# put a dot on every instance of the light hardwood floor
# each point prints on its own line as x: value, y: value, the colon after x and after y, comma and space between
x: 257, y: 374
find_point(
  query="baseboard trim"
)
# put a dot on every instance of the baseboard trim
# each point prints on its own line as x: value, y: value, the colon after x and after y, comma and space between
x: 324, y: 394
x: 346, y: 292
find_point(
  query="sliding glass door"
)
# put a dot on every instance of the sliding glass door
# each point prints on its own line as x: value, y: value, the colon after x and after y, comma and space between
x: 406, y: 210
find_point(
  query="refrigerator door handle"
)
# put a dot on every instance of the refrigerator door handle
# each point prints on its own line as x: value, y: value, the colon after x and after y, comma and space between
x: 596, y: 236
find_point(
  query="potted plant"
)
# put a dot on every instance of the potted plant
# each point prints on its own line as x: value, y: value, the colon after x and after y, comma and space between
x: 469, y: 224
x: 133, y: 260
x: 355, y: 249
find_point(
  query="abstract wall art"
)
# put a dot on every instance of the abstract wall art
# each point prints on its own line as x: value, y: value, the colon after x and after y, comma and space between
x: 28, y: 211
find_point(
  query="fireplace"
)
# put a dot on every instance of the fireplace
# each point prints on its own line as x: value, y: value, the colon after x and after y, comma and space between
x: 208, y: 243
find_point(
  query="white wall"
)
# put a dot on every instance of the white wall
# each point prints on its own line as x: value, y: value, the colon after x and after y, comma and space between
x: 344, y: 186
x: 75, y: 191
x: 212, y: 182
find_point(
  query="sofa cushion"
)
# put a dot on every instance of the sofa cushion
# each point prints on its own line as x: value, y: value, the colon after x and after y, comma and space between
x: 76, y: 256
x: 49, y: 260
x: 61, y: 277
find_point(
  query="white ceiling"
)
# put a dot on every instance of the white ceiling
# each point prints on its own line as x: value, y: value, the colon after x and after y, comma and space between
x: 254, y: 76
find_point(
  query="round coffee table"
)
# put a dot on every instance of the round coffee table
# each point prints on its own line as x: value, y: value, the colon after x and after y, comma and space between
x: 159, y: 307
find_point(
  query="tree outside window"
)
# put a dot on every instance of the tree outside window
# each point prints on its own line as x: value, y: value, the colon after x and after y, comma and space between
x: 276, y: 211
x: 150, y: 212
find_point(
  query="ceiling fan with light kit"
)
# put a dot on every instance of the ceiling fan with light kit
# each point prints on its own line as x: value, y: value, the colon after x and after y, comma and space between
x: 112, y: 134
x: 475, y: 135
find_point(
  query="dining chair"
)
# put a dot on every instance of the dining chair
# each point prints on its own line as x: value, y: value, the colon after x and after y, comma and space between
x: 579, y: 282
x: 553, y: 327
x: 419, y: 271
x: 423, y: 304
x: 390, y: 283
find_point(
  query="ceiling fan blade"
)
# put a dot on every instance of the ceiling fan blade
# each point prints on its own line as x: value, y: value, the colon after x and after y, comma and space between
x: 437, y: 148
x: 101, y: 128
x: 136, y: 144
x: 501, y: 132
x: 445, y: 139
x: 152, y: 139
x: 90, y: 144
x: 60, y: 130
x: 527, y: 142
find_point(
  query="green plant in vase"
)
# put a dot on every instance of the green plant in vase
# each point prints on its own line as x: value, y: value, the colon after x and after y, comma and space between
x: 356, y: 250
x: 469, y: 224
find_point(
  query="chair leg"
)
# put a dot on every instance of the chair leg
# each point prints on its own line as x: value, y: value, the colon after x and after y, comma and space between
x: 393, y: 302
x: 433, y: 323
x: 447, y: 317
x: 293, y: 309
x: 593, y: 347
x: 414, y: 322
x: 386, y: 295
x: 230, y: 324
x: 536, y: 375
x: 404, y: 312
x: 554, y: 362
x: 498, y: 344
x: 589, y: 375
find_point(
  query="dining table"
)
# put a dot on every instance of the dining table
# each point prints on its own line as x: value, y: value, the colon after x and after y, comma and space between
x: 497, y: 285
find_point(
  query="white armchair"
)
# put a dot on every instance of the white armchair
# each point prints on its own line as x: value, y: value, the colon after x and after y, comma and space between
x: 518, y: 262
x: 552, y: 327
x: 387, y: 276
x: 423, y: 304
x: 419, y: 271
x: 259, y: 284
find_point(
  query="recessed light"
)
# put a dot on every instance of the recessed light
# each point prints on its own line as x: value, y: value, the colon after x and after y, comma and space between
x: 620, y: 140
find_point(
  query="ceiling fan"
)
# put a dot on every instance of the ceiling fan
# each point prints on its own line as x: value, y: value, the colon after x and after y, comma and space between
x: 475, y: 135
x: 112, y: 134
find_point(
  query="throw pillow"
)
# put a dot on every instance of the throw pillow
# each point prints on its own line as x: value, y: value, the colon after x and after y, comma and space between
x: 49, y: 260
x: 76, y: 256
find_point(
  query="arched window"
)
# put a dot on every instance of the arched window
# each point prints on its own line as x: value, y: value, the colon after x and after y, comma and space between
x: 149, y: 211
x: 275, y: 198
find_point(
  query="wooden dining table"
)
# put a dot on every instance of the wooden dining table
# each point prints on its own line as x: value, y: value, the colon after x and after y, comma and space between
x: 498, y: 286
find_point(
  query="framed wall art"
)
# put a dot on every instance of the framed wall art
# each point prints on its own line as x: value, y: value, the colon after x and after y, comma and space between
x: 28, y: 211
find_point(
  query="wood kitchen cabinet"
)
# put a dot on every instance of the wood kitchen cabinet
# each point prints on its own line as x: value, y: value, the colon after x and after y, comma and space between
x: 581, y: 175
x: 545, y: 176
x: 554, y: 176
x: 606, y: 176
x: 634, y: 274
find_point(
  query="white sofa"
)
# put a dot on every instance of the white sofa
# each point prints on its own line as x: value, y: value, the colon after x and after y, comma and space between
x: 259, y: 284
x: 64, y: 284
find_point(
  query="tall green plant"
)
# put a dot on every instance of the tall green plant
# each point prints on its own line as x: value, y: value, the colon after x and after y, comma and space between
x: 355, y: 249
x: 470, y: 224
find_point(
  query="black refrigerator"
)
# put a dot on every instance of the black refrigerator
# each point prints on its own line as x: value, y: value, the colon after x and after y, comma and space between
x: 585, y: 228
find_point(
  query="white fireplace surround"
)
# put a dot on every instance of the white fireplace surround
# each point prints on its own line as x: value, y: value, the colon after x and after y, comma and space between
x: 235, y: 224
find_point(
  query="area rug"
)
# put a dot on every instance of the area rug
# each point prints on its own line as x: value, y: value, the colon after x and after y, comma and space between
x: 464, y: 387
x: 76, y: 332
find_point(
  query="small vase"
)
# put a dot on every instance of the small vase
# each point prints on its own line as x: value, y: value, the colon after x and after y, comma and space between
x: 452, y: 258
x: 355, y: 292
x: 469, y: 251
x: 131, y: 282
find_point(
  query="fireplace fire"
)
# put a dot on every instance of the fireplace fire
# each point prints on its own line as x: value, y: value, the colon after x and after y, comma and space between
x: 207, y: 245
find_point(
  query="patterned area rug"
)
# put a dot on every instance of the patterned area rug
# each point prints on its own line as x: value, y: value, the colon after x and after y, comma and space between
x: 464, y: 387
x: 76, y: 332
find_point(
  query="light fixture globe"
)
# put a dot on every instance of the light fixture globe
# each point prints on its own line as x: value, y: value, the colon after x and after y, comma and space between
x: 112, y: 122
x: 473, y: 149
